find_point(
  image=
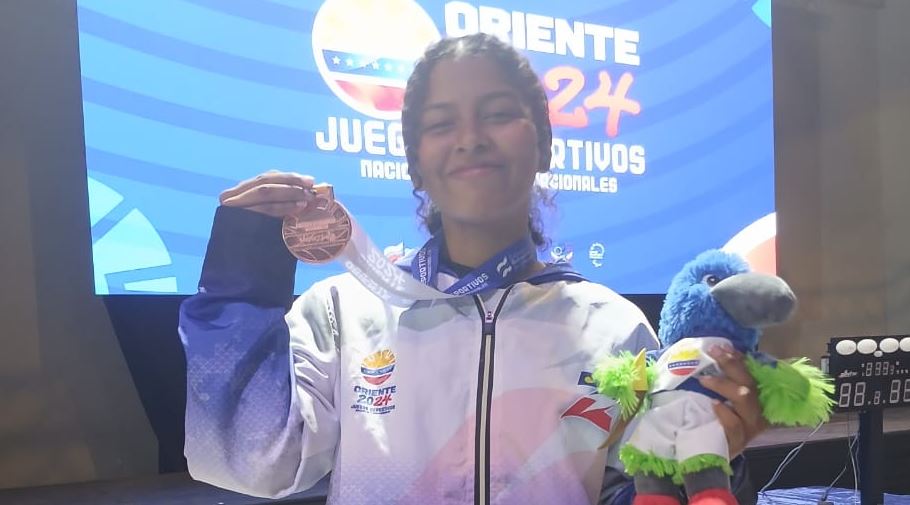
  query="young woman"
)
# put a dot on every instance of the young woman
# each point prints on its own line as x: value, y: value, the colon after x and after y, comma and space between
x: 475, y: 399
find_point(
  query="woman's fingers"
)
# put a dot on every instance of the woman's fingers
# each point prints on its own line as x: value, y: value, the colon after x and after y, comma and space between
x: 267, y: 193
x: 271, y: 177
x: 732, y: 364
x: 739, y: 388
x: 734, y: 429
x: 743, y: 400
x: 729, y: 389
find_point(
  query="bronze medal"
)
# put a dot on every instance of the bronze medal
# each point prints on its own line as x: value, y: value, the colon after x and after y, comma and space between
x: 320, y: 232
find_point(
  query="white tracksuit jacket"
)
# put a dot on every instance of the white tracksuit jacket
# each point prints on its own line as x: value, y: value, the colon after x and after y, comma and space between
x: 478, y: 399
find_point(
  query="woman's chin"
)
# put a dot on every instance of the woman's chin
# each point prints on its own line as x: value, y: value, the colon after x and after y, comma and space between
x: 486, y: 215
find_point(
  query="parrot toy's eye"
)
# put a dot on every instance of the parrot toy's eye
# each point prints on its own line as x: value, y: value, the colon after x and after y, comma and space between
x: 711, y: 280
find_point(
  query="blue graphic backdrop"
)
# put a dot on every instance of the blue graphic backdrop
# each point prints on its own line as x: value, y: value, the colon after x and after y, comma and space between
x: 184, y: 98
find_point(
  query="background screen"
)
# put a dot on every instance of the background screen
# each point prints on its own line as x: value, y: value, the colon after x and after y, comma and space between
x: 662, y: 114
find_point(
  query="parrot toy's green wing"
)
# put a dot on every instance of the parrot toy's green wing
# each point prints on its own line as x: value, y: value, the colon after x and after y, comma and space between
x: 792, y: 393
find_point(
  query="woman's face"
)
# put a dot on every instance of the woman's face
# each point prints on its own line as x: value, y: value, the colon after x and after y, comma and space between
x: 478, y: 153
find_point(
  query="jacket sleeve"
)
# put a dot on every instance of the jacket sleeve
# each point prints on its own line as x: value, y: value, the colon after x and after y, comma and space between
x: 640, y: 336
x: 260, y: 413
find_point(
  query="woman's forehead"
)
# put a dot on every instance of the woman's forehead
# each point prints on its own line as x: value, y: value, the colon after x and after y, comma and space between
x: 468, y: 78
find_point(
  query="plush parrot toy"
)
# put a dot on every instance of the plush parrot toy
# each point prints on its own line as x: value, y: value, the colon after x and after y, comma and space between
x: 714, y: 301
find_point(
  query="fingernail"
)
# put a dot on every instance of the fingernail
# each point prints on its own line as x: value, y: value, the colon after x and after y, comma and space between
x: 716, y: 351
x: 742, y: 391
x: 300, y: 203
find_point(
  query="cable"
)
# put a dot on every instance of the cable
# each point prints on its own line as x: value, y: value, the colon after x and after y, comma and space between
x: 786, y: 461
x: 789, y: 458
x: 851, y: 443
x: 853, y: 462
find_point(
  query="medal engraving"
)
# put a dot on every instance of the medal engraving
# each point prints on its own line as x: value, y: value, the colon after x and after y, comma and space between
x: 319, y: 233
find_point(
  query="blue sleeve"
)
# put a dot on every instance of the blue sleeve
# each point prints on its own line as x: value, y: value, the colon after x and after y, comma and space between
x: 245, y: 419
x: 247, y: 260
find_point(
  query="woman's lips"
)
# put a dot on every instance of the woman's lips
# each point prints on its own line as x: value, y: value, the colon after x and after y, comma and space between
x: 474, y: 170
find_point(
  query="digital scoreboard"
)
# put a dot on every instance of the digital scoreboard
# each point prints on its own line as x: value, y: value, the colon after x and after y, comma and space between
x: 870, y: 372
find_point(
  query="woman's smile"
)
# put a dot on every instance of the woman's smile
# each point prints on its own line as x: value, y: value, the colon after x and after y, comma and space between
x: 476, y: 170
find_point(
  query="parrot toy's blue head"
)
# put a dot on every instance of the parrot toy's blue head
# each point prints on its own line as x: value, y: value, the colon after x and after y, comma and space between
x: 716, y: 295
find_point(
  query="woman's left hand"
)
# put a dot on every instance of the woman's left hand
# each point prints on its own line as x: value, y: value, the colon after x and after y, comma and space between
x: 742, y: 417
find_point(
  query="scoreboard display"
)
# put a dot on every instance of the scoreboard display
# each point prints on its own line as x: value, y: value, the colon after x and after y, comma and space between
x: 870, y: 372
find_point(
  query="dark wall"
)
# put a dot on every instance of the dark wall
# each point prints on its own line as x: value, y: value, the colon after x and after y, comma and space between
x: 146, y: 327
x: 69, y: 409
x: 842, y: 96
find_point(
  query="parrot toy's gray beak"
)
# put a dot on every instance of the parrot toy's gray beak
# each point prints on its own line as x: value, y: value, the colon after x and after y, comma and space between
x: 755, y: 300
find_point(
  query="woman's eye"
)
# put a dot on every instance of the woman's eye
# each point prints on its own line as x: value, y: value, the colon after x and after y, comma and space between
x: 711, y: 280
x: 438, y: 126
x: 500, y: 116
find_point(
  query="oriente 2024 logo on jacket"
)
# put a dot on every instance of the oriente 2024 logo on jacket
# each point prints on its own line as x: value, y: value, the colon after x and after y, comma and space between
x: 377, y: 397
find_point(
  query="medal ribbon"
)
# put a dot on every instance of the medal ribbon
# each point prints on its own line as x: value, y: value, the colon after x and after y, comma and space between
x: 369, y: 265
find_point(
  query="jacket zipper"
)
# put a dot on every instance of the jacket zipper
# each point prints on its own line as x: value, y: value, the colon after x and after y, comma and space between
x: 484, y: 389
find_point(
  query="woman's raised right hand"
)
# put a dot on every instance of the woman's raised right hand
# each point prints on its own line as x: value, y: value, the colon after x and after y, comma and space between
x: 272, y: 193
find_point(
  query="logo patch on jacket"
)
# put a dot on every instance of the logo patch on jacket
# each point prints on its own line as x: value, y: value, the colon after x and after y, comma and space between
x: 377, y: 367
x: 376, y: 397
x: 592, y: 407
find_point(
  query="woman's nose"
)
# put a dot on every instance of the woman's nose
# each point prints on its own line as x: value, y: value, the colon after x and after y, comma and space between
x: 471, y: 137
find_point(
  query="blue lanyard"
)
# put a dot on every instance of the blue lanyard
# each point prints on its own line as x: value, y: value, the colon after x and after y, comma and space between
x: 503, y: 269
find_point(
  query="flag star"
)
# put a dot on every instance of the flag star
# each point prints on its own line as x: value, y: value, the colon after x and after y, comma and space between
x: 375, y: 65
x: 349, y: 62
x: 336, y: 60
x: 388, y: 67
